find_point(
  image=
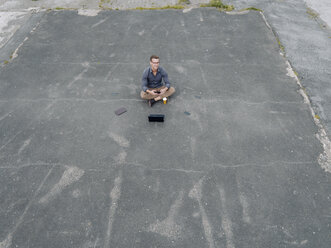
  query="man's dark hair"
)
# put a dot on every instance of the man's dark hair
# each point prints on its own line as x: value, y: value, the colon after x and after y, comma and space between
x: 153, y: 57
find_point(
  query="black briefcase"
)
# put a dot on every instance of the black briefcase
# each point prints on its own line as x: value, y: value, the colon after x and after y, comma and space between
x: 156, y: 118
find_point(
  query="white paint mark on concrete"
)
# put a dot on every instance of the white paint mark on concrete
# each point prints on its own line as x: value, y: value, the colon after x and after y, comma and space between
x: 187, y: 10
x: 120, y: 140
x: 89, y: 12
x: 96, y: 243
x: 114, y: 196
x: 193, y: 144
x: 5, y: 116
x: 303, y: 242
x: 204, y: 78
x: 180, y: 69
x: 107, y: 78
x: 9, y: 141
x: 195, y: 116
x: 76, y: 193
x: 196, y: 193
x: 158, y: 183
x: 25, y: 144
x: 86, y: 66
x: 7, y: 30
x: 226, y: 222
x: 7, y: 242
x: 166, y: 31
x: 121, y: 157
x: 196, y: 214
x: 168, y: 227
x: 98, y: 23
x: 69, y: 176
x: 245, y: 207
x: 141, y: 33
x: 91, y: 244
x: 296, y: 243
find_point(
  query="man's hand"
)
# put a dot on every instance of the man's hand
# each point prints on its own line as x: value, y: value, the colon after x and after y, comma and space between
x: 162, y: 91
x: 152, y: 92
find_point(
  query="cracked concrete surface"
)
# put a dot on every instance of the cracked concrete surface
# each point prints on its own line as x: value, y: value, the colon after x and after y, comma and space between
x: 238, y: 162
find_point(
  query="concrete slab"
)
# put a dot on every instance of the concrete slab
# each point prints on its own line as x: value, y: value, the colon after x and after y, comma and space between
x: 235, y: 164
x: 305, y: 36
x: 303, y: 28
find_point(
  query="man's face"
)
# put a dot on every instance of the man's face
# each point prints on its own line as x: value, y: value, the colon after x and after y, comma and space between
x: 155, y: 64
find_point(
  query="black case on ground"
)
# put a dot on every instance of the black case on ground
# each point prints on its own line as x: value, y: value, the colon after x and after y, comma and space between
x: 156, y: 118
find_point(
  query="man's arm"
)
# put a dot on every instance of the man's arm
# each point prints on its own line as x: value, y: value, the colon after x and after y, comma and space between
x: 144, y: 82
x: 164, y: 75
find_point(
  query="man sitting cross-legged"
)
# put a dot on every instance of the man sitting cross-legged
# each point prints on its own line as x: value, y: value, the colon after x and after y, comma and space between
x: 153, y: 89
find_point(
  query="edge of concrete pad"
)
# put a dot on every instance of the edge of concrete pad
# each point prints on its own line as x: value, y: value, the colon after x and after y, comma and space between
x: 325, y: 158
x: 10, y: 48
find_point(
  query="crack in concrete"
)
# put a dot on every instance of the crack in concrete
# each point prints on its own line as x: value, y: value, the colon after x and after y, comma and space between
x: 165, y: 170
x: 325, y: 157
x: 263, y: 165
x: 121, y: 164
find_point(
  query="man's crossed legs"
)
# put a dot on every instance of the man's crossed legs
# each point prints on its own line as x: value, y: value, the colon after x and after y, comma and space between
x: 153, y: 98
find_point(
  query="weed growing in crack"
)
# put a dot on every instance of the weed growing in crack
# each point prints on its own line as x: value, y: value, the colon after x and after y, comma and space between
x: 219, y: 5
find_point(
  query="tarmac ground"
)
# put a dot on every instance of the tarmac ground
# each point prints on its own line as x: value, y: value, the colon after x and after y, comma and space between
x: 239, y: 161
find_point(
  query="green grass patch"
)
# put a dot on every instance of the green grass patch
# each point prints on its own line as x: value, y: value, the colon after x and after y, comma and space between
x: 312, y: 13
x: 219, y: 5
x: 281, y: 47
x: 105, y: 1
x: 253, y: 8
x: 102, y: 2
x: 181, y: 2
x: 164, y: 7
x: 62, y: 8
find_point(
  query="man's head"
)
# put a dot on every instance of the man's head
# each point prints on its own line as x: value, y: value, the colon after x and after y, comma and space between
x: 154, y: 61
